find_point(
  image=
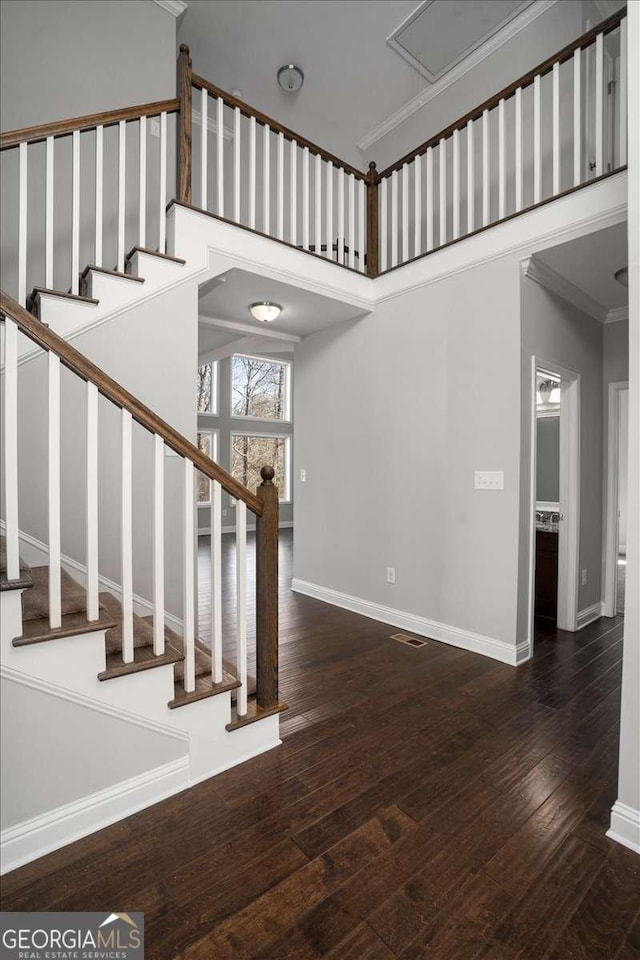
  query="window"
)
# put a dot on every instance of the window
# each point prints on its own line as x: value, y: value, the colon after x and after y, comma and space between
x: 249, y: 453
x: 207, y: 389
x: 260, y: 388
x: 207, y: 444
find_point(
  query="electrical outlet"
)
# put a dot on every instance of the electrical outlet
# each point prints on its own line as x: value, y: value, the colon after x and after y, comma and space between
x: 584, y: 578
x: 391, y: 574
x: 224, y: 513
x: 303, y: 476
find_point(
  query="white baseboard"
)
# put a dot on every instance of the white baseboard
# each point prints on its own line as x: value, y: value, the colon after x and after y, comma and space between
x: 445, y: 633
x: 206, y: 531
x: 589, y: 614
x: 34, y: 838
x: 625, y: 826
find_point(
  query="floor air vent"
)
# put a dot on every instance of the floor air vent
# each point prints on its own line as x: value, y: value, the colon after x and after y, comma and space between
x: 410, y: 641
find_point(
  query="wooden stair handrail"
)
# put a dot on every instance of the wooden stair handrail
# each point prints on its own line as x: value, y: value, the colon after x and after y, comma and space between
x: 44, y: 337
x: 264, y: 119
x: 605, y: 27
x: 109, y: 118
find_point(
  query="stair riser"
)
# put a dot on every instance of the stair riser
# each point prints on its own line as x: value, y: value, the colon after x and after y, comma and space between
x: 70, y: 662
x: 114, y: 291
x: 10, y: 617
x: 155, y: 270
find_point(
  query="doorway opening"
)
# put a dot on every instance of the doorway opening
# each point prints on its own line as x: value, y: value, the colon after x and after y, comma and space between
x: 615, y: 559
x: 555, y: 495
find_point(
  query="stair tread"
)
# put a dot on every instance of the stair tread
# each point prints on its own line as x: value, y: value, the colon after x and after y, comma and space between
x: 254, y: 713
x: 35, y: 601
x: 84, y: 276
x: 205, y: 687
x: 34, y: 296
x: 154, y: 253
x: 24, y: 578
x: 143, y: 659
x: 38, y: 631
x: 142, y: 632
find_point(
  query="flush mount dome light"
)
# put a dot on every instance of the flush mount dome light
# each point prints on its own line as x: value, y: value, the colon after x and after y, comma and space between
x: 265, y: 311
x: 290, y: 78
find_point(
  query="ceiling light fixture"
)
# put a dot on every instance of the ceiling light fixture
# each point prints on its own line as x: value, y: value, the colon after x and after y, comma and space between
x: 290, y: 78
x: 264, y: 311
x: 622, y: 276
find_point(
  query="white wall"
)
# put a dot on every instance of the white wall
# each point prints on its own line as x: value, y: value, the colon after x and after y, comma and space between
x: 151, y: 350
x: 393, y: 414
x: 62, y: 59
x: 558, y: 332
x: 93, y: 750
x: 623, y: 468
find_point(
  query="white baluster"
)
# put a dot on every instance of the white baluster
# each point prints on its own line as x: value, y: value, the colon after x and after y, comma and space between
x: 577, y: 118
x: 537, y: 142
x: 266, y: 178
x: 305, y: 198
x: 471, y: 186
x: 75, y: 212
x: 317, y: 214
x: 417, y: 206
x: 622, y: 94
x: 340, y: 254
x: 599, y: 105
x: 329, y: 251
x: 361, y: 222
x: 384, y: 203
x: 142, y: 181
x: 352, y: 221
x: 394, y: 218
x: 204, y: 148
x: 48, y: 243
x: 486, y: 174
x: 443, y: 191
x: 518, y: 152
x: 98, y: 196
x: 430, y: 210
x: 22, y: 226
x: 236, y: 164
x: 241, y: 604
x: 158, y: 545
x: 188, y: 581
x: 216, y: 582
x: 93, y: 584
x: 252, y: 173
x: 456, y: 184
x: 122, y: 191
x: 10, y: 463
x: 280, y: 188
x: 126, y: 540
x: 293, y: 192
x: 162, y: 238
x: 55, y: 599
x: 220, y: 156
x: 405, y: 213
x: 556, y: 128
x: 502, y: 173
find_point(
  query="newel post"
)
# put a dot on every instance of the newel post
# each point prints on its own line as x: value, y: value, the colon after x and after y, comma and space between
x: 184, y: 125
x: 267, y: 592
x: 372, y: 221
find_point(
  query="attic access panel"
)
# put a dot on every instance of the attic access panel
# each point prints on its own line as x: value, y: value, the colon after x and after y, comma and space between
x: 440, y: 34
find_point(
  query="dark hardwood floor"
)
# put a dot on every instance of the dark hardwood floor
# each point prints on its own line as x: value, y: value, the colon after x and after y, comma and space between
x: 425, y: 803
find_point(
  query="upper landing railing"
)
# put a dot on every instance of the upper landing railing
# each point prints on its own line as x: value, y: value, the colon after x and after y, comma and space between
x: 86, y: 190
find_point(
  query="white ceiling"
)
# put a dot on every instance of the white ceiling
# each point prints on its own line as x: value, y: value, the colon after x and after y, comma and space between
x: 227, y: 299
x: 590, y: 262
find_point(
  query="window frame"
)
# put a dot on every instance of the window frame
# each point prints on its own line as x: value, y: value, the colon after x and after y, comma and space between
x: 287, y: 364
x: 213, y: 432
x: 288, y: 465
x: 215, y: 393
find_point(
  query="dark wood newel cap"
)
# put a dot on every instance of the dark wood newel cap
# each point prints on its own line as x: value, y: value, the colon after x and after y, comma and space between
x: 184, y: 48
x: 267, y: 474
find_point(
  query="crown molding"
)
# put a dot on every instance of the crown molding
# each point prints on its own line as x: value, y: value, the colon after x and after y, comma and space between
x: 616, y: 314
x: 510, y: 30
x: 175, y: 7
x: 546, y: 276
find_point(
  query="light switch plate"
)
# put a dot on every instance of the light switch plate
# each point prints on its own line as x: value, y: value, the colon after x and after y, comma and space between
x: 489, y: 480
